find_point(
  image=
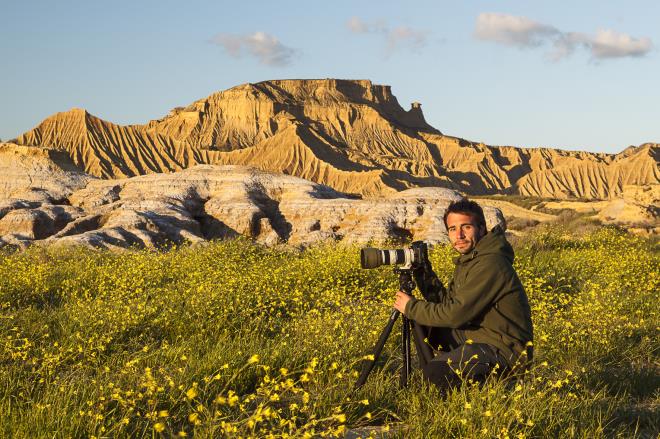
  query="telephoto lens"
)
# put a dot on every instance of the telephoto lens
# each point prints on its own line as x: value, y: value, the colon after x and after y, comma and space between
x: 374, y: 257
x: 370, y: 258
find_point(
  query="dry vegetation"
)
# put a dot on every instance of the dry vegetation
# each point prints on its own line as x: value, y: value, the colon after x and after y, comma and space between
x: 236, y: 340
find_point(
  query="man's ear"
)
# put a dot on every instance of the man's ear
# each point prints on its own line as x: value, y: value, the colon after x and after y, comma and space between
x: 482, y: 230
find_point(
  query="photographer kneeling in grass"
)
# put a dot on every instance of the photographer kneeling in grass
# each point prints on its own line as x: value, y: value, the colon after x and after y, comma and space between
x: 482, y: 321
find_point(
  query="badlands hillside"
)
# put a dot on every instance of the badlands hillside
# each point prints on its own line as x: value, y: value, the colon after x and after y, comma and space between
x: 45, y: 200
x: 298, y: 161
x: 350, y: 135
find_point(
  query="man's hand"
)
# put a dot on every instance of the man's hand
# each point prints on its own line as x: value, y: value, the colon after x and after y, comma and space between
x: 401, y: 301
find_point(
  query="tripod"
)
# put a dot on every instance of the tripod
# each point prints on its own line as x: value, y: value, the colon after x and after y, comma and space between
x: 407, y: 285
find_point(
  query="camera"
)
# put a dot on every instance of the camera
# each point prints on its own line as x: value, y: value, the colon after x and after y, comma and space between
x: 417, y: 255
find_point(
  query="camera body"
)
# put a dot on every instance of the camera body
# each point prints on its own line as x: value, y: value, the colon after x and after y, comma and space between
x: 417, y: 255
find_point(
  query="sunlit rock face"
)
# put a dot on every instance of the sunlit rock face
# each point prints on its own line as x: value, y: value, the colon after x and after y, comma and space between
x: 351, y: 135
x: 209, y: 202
x: 291, y: 161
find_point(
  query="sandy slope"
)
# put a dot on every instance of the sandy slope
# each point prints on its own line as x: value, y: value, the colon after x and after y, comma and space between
x: 351, y: 135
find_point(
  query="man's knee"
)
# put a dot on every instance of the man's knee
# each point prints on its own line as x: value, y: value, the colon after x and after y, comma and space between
x: 440, y: 374
x: 467, y: 363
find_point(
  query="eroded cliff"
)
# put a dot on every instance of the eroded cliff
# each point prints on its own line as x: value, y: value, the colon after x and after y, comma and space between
x: 351, y: 135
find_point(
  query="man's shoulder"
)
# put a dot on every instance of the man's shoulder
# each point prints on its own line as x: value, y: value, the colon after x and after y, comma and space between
x: 492, y: 258
x: 494, y: 262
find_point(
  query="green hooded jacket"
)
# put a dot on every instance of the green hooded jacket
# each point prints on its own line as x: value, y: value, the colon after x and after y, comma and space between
x: 485, y: 299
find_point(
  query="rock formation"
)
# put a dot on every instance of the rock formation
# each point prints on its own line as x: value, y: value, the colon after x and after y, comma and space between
x: 50, y: 203
x: 350, y: 135
x: 37, y: 174
x: 360, y: 169
x: 638, y: 208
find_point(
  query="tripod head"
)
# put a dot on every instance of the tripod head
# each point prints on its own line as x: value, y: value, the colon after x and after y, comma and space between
x: 406, y: 282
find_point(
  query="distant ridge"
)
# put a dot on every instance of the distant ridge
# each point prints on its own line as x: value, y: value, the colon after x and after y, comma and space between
x: 351, y: 135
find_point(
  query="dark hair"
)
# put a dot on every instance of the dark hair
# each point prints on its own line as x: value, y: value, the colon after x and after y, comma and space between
x: 466, y: 207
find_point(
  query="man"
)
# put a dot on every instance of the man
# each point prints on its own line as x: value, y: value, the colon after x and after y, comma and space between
x: 482, y: 321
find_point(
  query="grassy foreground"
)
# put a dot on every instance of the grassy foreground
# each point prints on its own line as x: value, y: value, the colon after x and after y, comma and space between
x: 236, y: 340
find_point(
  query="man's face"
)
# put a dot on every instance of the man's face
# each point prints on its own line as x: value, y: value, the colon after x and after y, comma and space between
x: 463, y: 232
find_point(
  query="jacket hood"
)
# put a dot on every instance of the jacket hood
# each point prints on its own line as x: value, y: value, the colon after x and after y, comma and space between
x: 493, y: 243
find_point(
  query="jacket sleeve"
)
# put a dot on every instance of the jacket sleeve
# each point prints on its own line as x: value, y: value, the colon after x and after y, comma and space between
x: 483, y: 283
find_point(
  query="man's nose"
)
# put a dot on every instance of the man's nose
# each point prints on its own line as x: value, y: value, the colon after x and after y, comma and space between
x: 461, y: 233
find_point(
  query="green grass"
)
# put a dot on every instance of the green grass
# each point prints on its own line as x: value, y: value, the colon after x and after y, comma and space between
x: 233, y: 339
x: 524, y: 201
x: 529, y: 202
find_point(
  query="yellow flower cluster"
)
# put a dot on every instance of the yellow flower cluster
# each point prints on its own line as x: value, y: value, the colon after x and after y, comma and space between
x: 236, y: 340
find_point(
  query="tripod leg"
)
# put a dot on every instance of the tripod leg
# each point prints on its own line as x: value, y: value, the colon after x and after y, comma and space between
x: 424, y: 351
x: 367, y: 365
x: 405, y: 345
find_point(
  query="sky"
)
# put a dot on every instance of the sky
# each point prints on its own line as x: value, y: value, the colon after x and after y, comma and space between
x: 577, y: 75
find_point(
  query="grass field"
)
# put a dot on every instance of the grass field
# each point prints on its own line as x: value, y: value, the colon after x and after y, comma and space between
x: 233, y: 339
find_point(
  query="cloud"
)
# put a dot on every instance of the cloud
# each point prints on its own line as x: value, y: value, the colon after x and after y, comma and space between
x: 354, y: 24
x: 611, y: 44
x: 565, y: 44
x: 406, y: 36
x: 512, y: 30
x: 357, y: 26
x: 395, y: 38
x: 523, y: 32
x: 266, y: 48
x: 605, y: 44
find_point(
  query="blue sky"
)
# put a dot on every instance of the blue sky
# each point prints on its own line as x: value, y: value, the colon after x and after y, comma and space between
x: 580, y: 75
